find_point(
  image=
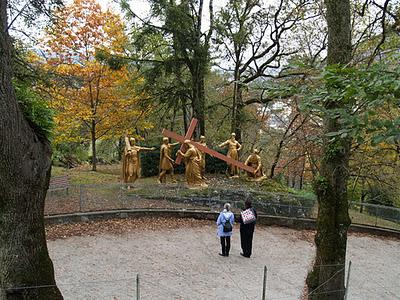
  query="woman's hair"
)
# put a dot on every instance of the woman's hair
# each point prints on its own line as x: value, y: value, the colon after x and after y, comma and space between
x: 227, y: 206
x: 247, y: 203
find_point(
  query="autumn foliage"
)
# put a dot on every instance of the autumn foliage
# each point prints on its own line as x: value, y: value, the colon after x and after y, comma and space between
x: 92, y: 100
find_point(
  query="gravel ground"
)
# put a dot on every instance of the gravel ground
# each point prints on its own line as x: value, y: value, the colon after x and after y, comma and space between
x: 181, y: 261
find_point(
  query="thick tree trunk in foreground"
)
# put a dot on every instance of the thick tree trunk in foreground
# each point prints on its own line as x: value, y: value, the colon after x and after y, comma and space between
x: 326, y: 280
x: 24, y: 178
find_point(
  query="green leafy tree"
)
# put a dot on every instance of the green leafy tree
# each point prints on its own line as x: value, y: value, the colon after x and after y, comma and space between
x: 254, y: 40
x: 189, y: 46
x: 346, y: 101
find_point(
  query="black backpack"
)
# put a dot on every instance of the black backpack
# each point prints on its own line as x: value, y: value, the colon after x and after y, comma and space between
x: 227, y: 225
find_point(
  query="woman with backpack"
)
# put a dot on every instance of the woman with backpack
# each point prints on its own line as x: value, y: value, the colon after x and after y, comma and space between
x: 247, y: 220
x: 225, y: 225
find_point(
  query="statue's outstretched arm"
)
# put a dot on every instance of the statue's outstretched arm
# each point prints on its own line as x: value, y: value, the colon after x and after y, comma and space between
x: 147, y: 149
x: 223, y: 144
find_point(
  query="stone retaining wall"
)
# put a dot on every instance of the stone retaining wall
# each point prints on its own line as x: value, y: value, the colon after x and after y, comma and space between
x: 294, y: 223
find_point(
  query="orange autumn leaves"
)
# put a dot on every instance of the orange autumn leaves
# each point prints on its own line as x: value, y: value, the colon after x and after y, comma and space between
x: 92, y: 101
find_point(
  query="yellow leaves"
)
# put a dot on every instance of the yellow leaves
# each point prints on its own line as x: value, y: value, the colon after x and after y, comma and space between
x: 81, y: 28
x: 96, y: 93
x: 86, y: 93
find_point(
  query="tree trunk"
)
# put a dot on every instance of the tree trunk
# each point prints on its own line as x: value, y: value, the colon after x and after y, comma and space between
x: 280, y: 146
x: 121, y: 146
x: 303, y: 167
x: 237, y: 109
x: 363, y: 195
x: 94, y: 153
x: 276, y: 159
x: 24, y: 178
x: 184, y: 115
x: 198, y: 98
x: 326, y: 280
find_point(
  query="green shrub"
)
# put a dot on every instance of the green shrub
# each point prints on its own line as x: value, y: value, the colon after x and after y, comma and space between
x: 107, y: 151
x: 70, y: 154
x: 151, y: 161
x: 34, y: 108
x: 215, y: 165
x: 379, y: 195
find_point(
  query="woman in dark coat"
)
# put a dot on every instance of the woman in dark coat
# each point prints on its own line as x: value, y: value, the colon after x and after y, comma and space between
x: 247, y: 231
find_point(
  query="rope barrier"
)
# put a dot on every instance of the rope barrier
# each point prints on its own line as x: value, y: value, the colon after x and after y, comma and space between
x: 67, y: 284
x: 321, y: 285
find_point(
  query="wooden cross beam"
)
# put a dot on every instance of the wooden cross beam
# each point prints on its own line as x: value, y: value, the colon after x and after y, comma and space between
x: 188, y: 136
x: 209, y: 151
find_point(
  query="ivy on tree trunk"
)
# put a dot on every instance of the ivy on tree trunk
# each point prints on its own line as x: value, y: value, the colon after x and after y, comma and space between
x: 326, y: 280
x: 24, y: 178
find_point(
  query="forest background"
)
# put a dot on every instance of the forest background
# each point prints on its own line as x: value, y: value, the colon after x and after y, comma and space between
x: 89, y: 75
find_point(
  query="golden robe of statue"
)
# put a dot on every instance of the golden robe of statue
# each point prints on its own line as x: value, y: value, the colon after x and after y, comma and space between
x: 131, y: 161
x: 254, y: 160
x: 192, y: 158
x: 233, y: 152
x: 166, y: 161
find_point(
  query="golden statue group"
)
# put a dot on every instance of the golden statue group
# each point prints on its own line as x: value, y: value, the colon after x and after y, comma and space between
x: 194, y: 160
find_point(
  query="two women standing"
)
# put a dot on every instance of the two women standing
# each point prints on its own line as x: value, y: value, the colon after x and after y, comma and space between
x: 247, y: 220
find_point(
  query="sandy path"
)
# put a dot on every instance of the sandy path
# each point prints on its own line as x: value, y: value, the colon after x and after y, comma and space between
x: 184, y: 263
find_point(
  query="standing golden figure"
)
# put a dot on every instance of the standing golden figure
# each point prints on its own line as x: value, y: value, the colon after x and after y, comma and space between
x: 166, y: 161
x: 131, y: 161
x: 233, y: 152
x: 192, y: 158
x: 254, y: 160
x: 203, y: 156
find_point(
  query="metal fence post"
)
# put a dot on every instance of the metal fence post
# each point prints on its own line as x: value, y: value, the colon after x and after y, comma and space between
x: 80, y: 198
x: 137, y: 287
x: 124, y: 196
x: 346, y: 291
x: 264, y: 283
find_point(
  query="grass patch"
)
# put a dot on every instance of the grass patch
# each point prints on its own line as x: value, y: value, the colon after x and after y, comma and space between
x: 220, y: 187
x: 366, y: 219
x: 83, y: 174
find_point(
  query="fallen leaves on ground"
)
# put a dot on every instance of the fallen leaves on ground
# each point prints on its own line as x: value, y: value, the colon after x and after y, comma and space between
x: 120, y: 226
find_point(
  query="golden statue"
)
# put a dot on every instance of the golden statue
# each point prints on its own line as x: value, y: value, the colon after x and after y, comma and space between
x: 233, y: 149
x: 166, y: 161
x: 203, y: 156
x: 131, y: 160
x: 254, y: 160
x: 192, y: 158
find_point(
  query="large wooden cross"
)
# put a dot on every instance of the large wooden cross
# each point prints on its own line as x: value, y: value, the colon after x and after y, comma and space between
x: 204, y: 149
x: 188, y: 136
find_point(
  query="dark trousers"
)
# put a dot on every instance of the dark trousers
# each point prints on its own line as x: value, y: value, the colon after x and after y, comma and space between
x: 246, y: 239
x: 225, y: 245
